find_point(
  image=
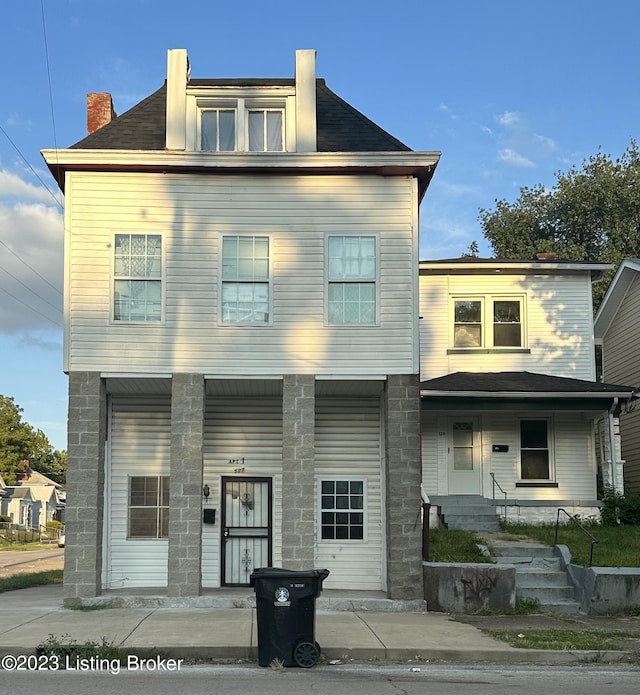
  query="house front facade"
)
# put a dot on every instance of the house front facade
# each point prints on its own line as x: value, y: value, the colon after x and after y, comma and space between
x: 511, y: 409
x: 241, y: 340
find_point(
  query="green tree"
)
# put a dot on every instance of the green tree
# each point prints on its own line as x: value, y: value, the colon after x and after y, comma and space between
x: 20, y: 442
x: 591, y: 214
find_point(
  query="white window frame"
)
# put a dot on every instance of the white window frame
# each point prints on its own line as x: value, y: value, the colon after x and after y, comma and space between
x: 158, y: 507
x: 329, y: 281
x: 242, y: 103
x: 335, y: 510
x: 222, y: 280
x: 550, y: 449
x: 487, y: 322
x: 149, y: 279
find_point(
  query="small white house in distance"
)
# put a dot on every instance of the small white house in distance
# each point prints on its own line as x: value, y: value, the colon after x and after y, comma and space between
x: 241, y: 262
x: 617, y: 329
x: 510, y: 402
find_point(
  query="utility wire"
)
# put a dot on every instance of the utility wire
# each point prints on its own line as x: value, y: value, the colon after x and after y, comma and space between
x: 46, y: 55
x: 40, y: 297
x: 31, y: 268
x: 44, y: 316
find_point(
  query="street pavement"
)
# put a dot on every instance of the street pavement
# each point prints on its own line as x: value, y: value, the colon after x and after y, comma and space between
x: 28, y: 617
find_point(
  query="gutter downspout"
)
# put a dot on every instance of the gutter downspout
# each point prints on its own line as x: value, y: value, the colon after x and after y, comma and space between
x: 612, y: 447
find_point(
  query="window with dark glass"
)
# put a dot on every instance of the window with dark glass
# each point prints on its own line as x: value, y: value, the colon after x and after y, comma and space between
x: 506, y: 323
x: 342, y: 510
x: 534, y: 450
x: 467, y: 330
x: 149, y: 507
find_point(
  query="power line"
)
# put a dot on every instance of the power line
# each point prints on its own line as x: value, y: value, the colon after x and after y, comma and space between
x: 46, y: 55
x: 48, y: 318
x: 31, y: 268
x: 40, y: 297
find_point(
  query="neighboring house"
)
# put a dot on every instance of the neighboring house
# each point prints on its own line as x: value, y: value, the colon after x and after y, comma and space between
x: 47, y: 492
x: 241, y: 340
x: 617, y: 329
x: 19, y: 504
x: 508, y: 386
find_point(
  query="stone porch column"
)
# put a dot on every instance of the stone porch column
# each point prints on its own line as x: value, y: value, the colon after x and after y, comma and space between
x: 298, y: 470
x: 403, y: 478
x: 84, y: 514
x: 185, y: 488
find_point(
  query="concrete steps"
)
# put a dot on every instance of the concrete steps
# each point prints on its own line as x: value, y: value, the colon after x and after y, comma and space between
x: 467, y: 512
x: 539, y: 575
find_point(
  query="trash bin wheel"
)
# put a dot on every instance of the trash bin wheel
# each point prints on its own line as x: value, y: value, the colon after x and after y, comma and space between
x: 306, y: 654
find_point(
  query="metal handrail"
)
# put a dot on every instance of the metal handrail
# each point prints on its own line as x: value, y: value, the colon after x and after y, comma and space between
x: 493, y: 492
x: 594, y: 540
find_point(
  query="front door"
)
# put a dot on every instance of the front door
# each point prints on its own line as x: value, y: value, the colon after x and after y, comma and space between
x: 246, y: 530
x: 464, y: 459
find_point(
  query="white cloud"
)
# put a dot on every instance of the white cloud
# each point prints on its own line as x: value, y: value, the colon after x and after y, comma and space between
x: 14, y: 186
x: 31, y: 261
x: 548, y: 144
x: 510, y: 156
x: 508, y: 119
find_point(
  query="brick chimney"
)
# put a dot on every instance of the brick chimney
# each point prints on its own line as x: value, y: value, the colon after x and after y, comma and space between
x: 99, y: 111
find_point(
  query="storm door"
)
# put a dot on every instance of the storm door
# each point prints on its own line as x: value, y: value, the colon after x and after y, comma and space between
x: 246, y: 529
x: 464, y: 457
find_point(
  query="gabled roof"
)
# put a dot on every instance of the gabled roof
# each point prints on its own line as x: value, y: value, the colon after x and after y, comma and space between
x: 340, y: 127
x: 520, y: 385
x: 615, y: 295
x: 17, y: 492
x: 39, y: 479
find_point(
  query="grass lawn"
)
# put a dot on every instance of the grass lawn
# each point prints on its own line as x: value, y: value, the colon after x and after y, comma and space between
x: 618, y: 546
x: 454, y: 546
x: 25, y: 581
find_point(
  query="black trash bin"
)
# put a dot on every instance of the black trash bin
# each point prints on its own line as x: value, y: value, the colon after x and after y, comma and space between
x: 286, y: 607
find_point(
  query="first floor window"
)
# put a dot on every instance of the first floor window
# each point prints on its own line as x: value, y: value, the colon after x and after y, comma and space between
x: 534, y: 450
x: 149, y: 506
x: 352, y: 271
x: 245, y: 279
x: 137, y: 292
x: 342, y: 509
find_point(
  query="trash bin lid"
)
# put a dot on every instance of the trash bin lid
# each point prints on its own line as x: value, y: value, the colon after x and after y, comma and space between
x: 276, y: 572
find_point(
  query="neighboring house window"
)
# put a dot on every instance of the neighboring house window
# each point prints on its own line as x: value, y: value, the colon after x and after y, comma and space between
x: 342, y: 505
x: 241, y: 125
x: 149, y: 506
x: 245, y: 279
x: 535, y: 460
x: 352, y: 270
x: 488, y: 322
x: 137, y: 277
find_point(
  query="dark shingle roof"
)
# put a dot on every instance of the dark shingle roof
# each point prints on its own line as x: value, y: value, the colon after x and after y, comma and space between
x: 341, y: 128
x: 487, y: 383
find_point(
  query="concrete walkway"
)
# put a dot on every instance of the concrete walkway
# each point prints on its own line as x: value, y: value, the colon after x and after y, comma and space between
x: 30, y: 616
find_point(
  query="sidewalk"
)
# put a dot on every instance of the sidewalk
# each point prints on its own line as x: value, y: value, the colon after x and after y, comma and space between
x: 30, y: 616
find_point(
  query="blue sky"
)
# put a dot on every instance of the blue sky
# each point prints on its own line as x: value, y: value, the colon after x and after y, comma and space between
x: 509, y: 92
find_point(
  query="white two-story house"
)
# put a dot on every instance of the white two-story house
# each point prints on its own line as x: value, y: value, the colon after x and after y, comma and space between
x: 512, y: 413
x: 241, y: 339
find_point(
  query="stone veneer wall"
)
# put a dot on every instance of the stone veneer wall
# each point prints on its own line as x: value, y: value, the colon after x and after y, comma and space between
x: 403, y: 478
x: 87, y: 428
x: 298, y: 471
x: 185, y: 491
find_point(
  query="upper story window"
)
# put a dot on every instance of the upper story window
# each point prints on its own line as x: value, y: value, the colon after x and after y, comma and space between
x: 352, y: 275
x: 245, y: 279
x: 488, y: 322
x: 241, y: 125
x: 137, y: 289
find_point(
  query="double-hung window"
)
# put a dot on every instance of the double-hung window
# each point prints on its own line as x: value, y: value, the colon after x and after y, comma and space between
x: 342, y: 505
x: 352, y: 274
x: 137, y: 292
x: 535, y: 459
x: 148, y: 507
x: 241, y: 125
x: 488, y: 322
x: 245, y: 280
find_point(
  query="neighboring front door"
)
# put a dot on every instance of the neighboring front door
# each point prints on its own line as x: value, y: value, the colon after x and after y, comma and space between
x: 464, y: 460
x: 246, y: 529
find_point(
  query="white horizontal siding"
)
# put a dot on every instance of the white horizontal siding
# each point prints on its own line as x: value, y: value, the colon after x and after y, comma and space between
x: 139, y: 445
x: 249, y: 428
x: 347, y: 444
x: 557, y: 322
x: 192, y: 213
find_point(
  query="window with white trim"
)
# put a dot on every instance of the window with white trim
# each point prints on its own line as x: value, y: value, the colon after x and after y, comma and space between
x: 535, y: 453
x: 488, y: 322
x: 342, y: 510
x: 352, y: 276
x: 245, y: 280
x: 137, y: 287
x: 241, y: 125
x: 148, y: 507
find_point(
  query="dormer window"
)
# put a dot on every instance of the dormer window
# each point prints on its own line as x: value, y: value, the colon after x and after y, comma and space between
x: 240, y: 125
